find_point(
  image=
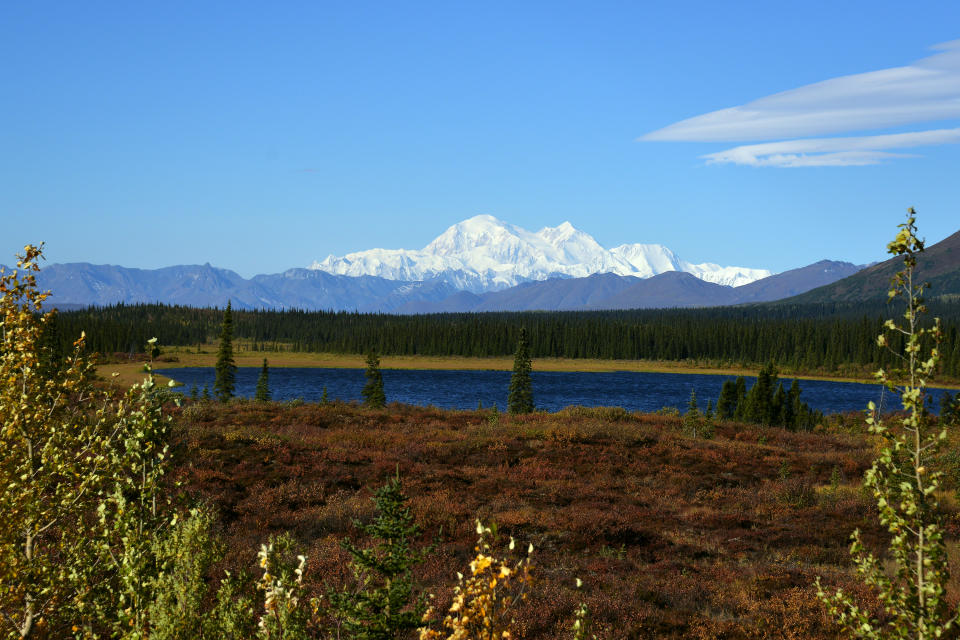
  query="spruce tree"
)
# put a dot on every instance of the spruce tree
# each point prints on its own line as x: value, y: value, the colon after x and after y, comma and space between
x: 226, y: 370
x: 759, y: 400
x: 692, y: 406
x: 791, y: 409
x: 372, y: 393
x: 520, y: 398
x: 263, y: 384
x: 727, y: 402
x: 51, y: 351
x: 740, y: 393
x: 386, y: 606
x: 693, y: 421
x: 778, y: 407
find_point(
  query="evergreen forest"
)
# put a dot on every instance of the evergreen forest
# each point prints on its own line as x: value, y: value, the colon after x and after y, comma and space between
x: 822, y: 337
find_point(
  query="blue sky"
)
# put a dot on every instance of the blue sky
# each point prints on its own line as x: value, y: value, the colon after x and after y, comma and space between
x: 260, y: 137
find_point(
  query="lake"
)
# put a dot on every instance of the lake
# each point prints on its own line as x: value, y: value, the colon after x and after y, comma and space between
x: 552, y: 390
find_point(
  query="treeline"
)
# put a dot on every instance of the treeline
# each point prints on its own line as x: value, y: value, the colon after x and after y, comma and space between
x: 798, y: 337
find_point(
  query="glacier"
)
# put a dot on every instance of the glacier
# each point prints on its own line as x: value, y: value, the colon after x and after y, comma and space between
x: 484, y: 254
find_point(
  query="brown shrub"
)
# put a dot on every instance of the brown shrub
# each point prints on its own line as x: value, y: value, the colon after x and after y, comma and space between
x: 674, y: 537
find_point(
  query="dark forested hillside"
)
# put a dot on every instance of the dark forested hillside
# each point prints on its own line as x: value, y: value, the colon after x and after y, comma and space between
x: 811, y: 337
x: 939, y: 265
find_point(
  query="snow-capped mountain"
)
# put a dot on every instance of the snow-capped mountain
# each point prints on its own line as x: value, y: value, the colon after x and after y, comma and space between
x: 486, y: 254
x: 652, y: 259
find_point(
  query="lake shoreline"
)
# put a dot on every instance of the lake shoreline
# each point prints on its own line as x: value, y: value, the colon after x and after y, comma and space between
x: 129, y: 373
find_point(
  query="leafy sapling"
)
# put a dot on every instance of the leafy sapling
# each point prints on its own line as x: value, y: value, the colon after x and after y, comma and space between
x: 904, y: 482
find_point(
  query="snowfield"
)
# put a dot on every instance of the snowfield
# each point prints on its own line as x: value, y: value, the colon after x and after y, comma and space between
x: 483, y: 254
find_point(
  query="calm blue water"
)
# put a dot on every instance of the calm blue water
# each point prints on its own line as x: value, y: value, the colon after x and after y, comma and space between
x: 551, y: 390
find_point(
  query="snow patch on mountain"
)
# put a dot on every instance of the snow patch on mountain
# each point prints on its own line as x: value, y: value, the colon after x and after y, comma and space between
x: 729, y: 276
x: 483, y: 254
x: 649, y: 259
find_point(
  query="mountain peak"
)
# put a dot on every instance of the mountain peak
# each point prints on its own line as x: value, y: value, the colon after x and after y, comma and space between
x: 483, y: 223
x: 484, y: 253
x: 560, y: 233
x: 483, y: 218
x: 478, y: 231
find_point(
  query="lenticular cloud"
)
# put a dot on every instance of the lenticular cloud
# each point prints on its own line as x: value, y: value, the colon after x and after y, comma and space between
x: 927, y: 90
x: 852, y: 151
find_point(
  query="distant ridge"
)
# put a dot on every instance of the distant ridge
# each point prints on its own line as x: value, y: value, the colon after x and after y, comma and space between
x: 611, y: 291
x: 82, y: 284
x: 939, y: 265
x: 795, y: 281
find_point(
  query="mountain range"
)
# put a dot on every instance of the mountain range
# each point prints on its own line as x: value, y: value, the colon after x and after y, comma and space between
x: 483, y: 264
x: 81, y: 284
x: 86, y: 284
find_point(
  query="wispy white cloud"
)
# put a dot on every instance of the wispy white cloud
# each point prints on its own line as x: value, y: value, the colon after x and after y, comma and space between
x: 927, y: 90
x: 832, y: 152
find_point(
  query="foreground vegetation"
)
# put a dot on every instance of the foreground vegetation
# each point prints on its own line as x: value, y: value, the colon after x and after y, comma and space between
x: 127, y: 515
x: 673, y: 536
x: 910, y: 577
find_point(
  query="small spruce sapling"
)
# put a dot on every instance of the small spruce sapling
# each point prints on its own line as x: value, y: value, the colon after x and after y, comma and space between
x: 493, y: 420
x: 834, y: 487
x: 385, y: 604
x: 694, y: 422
